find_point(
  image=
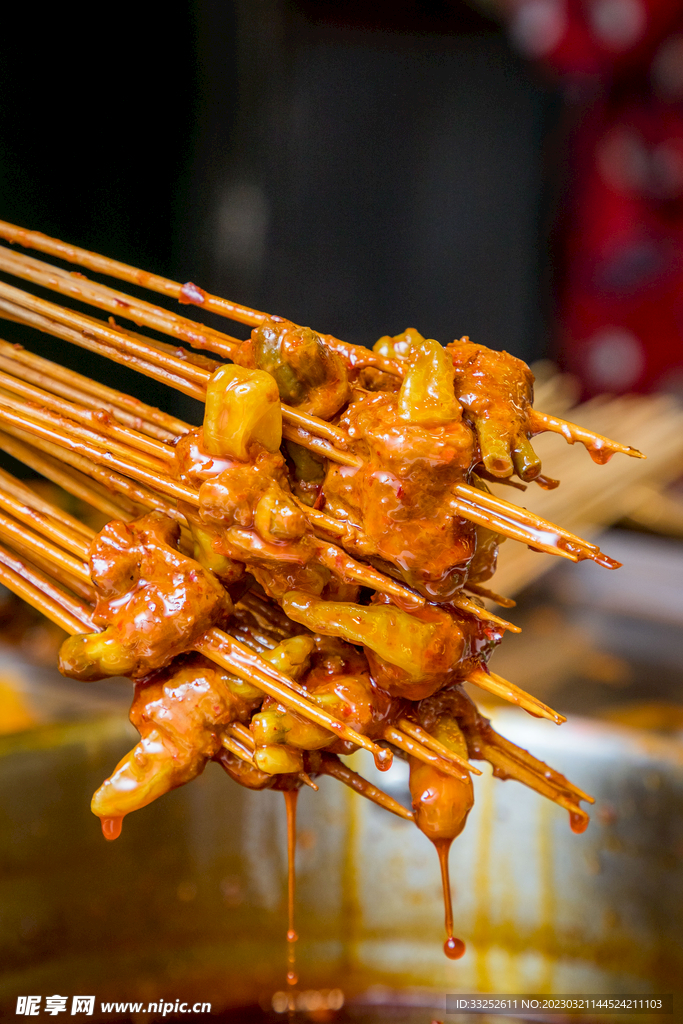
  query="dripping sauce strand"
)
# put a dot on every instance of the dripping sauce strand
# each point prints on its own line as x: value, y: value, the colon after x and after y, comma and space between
x: 291, y: 796
x: 452, y: 947
x: 111, y: 827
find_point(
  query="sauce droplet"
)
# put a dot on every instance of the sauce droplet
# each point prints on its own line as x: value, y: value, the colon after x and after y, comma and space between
x: 111, y: 828
x: 578, y: 821
x: 383, y: 759
x: 191, y: 294
x: 452, y: 947
x: 291, y: 796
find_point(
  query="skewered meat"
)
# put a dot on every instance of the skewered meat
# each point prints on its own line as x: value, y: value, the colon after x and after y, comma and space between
x: 336, y: 505
x: 152, y: 601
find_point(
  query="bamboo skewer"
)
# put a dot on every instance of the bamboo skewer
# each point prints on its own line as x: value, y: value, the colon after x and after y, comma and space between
x: 507, y: 764
x: 539, y: 540
x: 236, y: 748
x: 472, y: 608
x: 186, y: 294
x: 490, y: 595
x: 76, y: 585
x: 172, y: 359
x: 348, y: 532
x: 150, y: 357
x: 592, y: 498
x: 37, y: 543
x: 357, y: 572
x: 15, y: 488
x: 91, y: 334
x: 214, y: 643
x: 416, y: 749
x: 243, y: 734
x: 42, y: 594
x: 601, y: 449
x: 528, y: 519
x: 469, y: 502
x: 190, y: 294
x: 160, y: 452
x: 75, y: 543
x: 500, y: 687
x: 94, y: 333
x: 98, y: 455
x: 533, y: 764
x: 224, y: 650
x: 508, y: 760
x: 67, y: 427
x: 49, y: 599
x: 130, y: 492
x: 76, y: 427
x: 416, y: 732
x: 119, y: 303
x: 327, y: 554
x: 90, y: 393
x: 329, y: 764
x: 233, y: 655
x: 408, y: 728
x: 70, y: 480
x: 305, y: 430
x: 485, y: 680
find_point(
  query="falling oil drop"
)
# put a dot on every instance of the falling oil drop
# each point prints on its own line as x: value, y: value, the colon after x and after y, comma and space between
x: 578, y: 821
x: 291, y: 796
x: 452, y: 947
x: 111, y: 828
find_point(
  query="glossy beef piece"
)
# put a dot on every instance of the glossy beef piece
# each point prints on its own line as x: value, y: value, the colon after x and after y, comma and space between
x: 340, y: 680
x: 250, y: 518
x: 250, y: 521
x: 153, y: 601
x: 179, y: 713
x: 496, y: 389
x: 230, y: 489
x: 309, y: 375
x: 401, y: 495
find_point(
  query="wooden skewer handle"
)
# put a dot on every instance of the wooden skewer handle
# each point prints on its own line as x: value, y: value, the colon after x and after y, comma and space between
x: 329, y: 764
x: 500, y: 687
x: 34, y: 588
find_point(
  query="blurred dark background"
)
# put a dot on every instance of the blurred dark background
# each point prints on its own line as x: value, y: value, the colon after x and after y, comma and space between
x: 507, y: 169
x: 360, y: 168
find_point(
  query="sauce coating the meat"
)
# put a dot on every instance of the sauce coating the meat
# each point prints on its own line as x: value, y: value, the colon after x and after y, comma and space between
x: 348, y: 579
x: 323, y: 591
x: 153, y: 602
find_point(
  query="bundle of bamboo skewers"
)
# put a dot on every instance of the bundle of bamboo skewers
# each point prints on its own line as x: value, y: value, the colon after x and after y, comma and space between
x: 114, y: 452
x: 592, y: 498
